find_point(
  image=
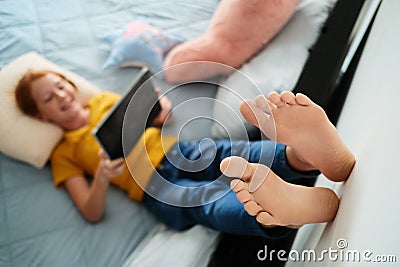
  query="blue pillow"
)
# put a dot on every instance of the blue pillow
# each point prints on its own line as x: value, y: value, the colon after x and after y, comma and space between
x: 139, y: 44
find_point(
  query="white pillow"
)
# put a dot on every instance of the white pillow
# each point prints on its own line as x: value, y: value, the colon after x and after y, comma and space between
x: 22, y: 137
x: 276, y: 68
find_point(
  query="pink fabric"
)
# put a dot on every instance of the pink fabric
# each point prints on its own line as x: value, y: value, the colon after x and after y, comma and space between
x: 138, y: 27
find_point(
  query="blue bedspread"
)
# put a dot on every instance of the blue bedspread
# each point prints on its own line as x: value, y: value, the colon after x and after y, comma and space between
x: 67, y: 32
x: 39, y: 225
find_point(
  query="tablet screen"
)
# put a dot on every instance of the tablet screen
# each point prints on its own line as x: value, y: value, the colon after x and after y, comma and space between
x: 135, y: 111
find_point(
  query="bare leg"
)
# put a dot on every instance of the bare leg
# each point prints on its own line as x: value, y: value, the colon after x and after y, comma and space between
x: 238, y: 30
x: 312, y: 141
x: 277, y: 202
x: 200, y: 58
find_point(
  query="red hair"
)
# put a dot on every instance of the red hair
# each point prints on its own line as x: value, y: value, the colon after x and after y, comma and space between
x: 23, y: 91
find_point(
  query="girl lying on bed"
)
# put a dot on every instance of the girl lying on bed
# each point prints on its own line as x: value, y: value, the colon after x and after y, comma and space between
x: 261, y: 201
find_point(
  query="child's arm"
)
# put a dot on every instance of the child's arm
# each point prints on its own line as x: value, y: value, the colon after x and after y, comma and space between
x: 90, y: 199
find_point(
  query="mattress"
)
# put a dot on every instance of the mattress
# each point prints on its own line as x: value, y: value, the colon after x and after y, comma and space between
x: 39, y: 225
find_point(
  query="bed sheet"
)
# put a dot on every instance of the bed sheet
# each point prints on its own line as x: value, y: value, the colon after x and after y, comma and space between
x: 39, y: 225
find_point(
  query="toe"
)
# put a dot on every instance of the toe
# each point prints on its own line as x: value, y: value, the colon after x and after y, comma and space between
x: 244, y: 196
x: 252, y: 113
x: 238, y: 185
x: 247, y: 113
x: 264, y: 104
x: 288, y: 98
x: 275, y: 99
x: 266, y: 219
x: 302, y: 99
x: 259, y: 174
x: 236, y: 167
x: 257, y: 117
x: 253, y: 174
x: 252, y: 208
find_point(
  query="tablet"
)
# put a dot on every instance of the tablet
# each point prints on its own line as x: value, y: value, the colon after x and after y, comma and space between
x: 127, y: 120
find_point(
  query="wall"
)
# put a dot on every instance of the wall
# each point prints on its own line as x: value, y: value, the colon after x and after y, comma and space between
x: 368, y: 217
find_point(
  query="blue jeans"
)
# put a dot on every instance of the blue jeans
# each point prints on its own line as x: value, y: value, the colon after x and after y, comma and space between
x: 189, y: 188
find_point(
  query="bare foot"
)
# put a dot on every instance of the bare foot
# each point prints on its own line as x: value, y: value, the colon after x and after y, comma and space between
x: 312, y: 140
x: 276, y: 202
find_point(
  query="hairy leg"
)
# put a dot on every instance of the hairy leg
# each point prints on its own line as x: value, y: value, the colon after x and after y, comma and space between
x: 238, y: 30
x: 199, y: 58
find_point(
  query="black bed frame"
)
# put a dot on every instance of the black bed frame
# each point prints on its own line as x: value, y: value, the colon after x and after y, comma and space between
x: 323, y: 81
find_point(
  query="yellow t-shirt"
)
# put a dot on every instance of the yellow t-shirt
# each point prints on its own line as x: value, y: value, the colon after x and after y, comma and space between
x: 77, y: 153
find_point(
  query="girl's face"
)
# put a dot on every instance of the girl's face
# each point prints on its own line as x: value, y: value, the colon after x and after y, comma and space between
x: 55, y: 99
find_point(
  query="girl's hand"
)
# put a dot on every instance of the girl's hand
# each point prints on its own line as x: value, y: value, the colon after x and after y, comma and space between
x: 166, y: 107
x: 107, y: 168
